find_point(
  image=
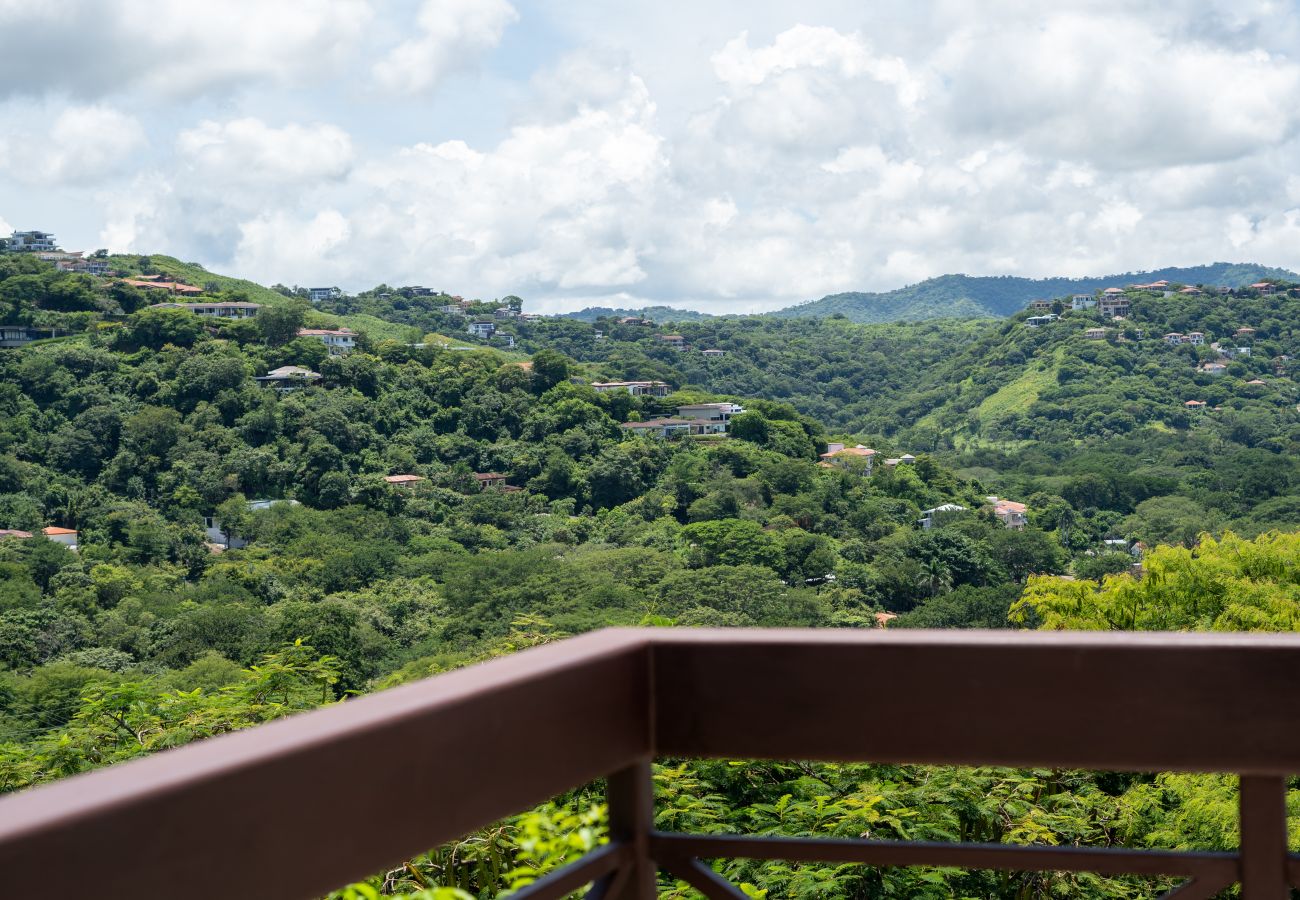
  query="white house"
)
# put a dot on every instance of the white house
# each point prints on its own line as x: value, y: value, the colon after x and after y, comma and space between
x: 1039, y: 321
x: 930, y: 516
x: 483, y: 330
x: 676, y: 341
x: 660, y: 428
x: 713, y: 352
x: 68, y: 537
x: 288, y: 378
x: 30, y: 242
x: 710, y: 412
x: 1082, y: 301
x: 338, y: 340
x: 839, y: 455
x: 228, y: 541
x: 316, y: 295
x: 1009, y: 513
x: 229, y: 309
x: 635, y: 388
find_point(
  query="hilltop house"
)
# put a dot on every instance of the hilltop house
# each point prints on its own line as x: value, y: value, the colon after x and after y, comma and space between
x: 1213, y: 368
x: 713, y: 352
x: 1009, y: 513
x: 1194, y: 405
x: 1196, y: 338
x: 1095, y: 334
x: 1113, y: 303
x: 1039, y: 321
x: 288, y: 378
x: 153, y: 284
x: 482, y: 330
x: 492, y: 480
x: 68, y: 537
x: 96, y: 267
x: 1173, y: 339
x: 338, y: 340
x: 839, y: 455
x: 316, y: 295
x: 30, y: 242
x: 710, y: 412
x: 1082, y: 301
x: 1044, y: 306
x: 1192, y: 291
x: 635, y: 388
x: 659, y: 428
x: 219, y: 539
x: 906, y: 459
x: 634, y: 320
x: 20, y: 335
x: 676, y: 341
x: 403, y: 481
x: 229, y: 309
x: 1264, y: 287
x: 930, y: 516
x: 14, y: 533
x: 1244, y: 332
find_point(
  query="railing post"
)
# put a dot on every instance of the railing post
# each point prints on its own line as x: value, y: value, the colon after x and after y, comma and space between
x: 630, y: 793
x: 1263, y: 838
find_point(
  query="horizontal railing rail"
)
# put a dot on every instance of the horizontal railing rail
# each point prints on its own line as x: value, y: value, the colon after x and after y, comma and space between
x: 297, y: 807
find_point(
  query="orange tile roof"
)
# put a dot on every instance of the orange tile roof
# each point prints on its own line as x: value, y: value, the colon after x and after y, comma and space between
x: 54, y: 529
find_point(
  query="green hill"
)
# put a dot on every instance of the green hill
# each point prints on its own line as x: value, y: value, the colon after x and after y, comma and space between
x: 653, y: 313
x: 968, y: 296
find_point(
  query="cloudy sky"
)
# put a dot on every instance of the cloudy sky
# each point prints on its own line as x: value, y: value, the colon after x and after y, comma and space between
x: 721, y: 155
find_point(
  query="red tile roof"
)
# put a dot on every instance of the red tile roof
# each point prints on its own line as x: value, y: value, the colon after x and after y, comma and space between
x: 54, y: 529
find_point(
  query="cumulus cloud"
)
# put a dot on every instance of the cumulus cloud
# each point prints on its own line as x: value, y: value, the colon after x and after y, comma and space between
x: 83, y: 145
x: 98, y: 47
x: 453, y: 34
x: 1083, y: 138
x: 249, y: 152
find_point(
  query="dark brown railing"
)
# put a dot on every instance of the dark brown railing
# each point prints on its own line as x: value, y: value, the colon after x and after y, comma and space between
x: 295, y: 808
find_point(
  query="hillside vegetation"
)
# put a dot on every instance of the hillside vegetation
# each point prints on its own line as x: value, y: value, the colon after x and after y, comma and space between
x: 161, y: 628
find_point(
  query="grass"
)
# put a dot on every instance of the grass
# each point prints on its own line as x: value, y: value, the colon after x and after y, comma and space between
x: 1023, y: 392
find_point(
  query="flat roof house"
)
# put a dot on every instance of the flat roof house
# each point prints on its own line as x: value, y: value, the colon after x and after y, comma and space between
x: 482, y: 329
x: 316, y: 295
x: 30, y: 242
x: 710, y: 412
x: 930, y: 516
x: 1083, y: 301
x: 338, y: 340
x: 659, y: 428
x: 635, y: 388
x: 229, y: 309
x: 288, y: 378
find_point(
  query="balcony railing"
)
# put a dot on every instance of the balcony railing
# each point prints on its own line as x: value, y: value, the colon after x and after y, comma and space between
x: 295, y: 808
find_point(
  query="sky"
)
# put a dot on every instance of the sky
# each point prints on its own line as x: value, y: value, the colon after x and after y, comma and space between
x: 723, y: 156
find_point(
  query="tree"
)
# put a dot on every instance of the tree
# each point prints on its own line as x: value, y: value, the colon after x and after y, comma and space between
x: 279, y: 323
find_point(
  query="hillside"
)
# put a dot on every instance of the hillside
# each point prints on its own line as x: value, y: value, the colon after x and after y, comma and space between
x: 193, y: 273
x: 439, y: 507
x: 966, y: 296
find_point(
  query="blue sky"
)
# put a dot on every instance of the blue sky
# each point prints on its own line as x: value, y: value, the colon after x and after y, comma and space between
x: 717, y: 155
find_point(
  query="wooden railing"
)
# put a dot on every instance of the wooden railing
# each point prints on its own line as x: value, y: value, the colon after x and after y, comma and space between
x: 298, y: 807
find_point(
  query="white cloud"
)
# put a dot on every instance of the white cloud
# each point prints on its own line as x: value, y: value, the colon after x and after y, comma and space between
x: 83, y: 145
x: 248, y: 151
x: 454, y: 33
x: 1085, y: 137
x: 97, y: 47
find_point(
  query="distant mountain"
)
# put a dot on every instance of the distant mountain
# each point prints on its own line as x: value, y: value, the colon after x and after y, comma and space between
x: 653, y: 313
x: 966, y: 296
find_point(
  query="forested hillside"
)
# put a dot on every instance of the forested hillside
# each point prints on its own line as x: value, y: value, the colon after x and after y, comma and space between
x: 246, y: 550
x: 951, y: 296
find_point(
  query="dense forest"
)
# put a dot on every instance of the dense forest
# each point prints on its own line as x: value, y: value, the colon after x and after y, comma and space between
x: 526, y: 514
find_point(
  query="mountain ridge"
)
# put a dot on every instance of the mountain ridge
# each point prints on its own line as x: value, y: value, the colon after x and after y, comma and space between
x: 959, y: 296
